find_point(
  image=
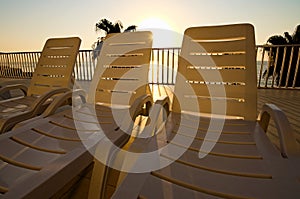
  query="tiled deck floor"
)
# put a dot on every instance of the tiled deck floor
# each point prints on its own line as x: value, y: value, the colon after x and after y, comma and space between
x: 287, y: 100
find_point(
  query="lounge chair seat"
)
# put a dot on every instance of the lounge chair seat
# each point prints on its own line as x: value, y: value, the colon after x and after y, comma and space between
x: 39, y: 151
x: 216, y: 153
x: 44, y: 154
x: 53, y: 76
x: 243, y: 164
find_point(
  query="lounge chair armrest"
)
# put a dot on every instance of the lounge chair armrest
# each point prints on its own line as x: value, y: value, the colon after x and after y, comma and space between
x: 165, y: 103
x: 141, y: 106
x: 43, y: 98
x: 288, y: 145
x: 14, y: 87
x: 158, y: 114
x: 61, y: 99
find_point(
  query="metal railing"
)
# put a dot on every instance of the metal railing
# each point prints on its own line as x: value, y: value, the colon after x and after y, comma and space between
x: 277, y: 65
x: 163, y: 65
x: 18, y: 65
x: 85, y: 65
x: 22, y: 65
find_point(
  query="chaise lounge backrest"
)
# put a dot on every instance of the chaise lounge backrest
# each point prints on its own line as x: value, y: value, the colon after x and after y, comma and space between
x: 219, y: 64
x: 123, y: 74
x: 55, y: 66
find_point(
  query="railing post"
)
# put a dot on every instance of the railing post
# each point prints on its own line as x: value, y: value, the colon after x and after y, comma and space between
x: 157, y: 67
x: 8, y: 65
x: 162, y: 66
x: 261, y: 67
x: 173, y: 63
x: 282, y: 68
x: 168, y: 65
x: 152, y: 67
x: 297, y: 67
x: 289, y: 68
x: 275, y: 67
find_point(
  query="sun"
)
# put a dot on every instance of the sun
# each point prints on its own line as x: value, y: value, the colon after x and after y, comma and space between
x: 163, y: 33
x: 153, y: 23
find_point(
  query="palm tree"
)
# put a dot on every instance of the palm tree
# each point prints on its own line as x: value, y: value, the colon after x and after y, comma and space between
x: 131, y: 28
x: 108, y: 27
x: 278, y: 55
x: 296, y: 35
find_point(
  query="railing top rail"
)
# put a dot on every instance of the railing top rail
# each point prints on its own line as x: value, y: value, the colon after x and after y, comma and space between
x: 20, y: 52
x: 159, y: 48
x: 85, y: 50
x: 26, y: 52
x: 176, y: 48
x: 284, y: 45
x: 82, y: 50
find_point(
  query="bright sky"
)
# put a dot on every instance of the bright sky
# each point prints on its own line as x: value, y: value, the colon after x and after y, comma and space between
x: 26, y: 24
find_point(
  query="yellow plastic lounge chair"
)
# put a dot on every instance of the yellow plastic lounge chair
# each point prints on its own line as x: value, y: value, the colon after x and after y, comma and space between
x: 53, y: 75
x: 217, y: 149
x: 46, y: 155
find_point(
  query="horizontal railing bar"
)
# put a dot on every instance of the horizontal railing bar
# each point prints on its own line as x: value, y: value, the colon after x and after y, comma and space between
x: 285, y: 45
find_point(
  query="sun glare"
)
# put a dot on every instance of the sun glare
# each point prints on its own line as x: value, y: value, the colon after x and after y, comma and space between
x: 163, y: 33
x: 153, y: 22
